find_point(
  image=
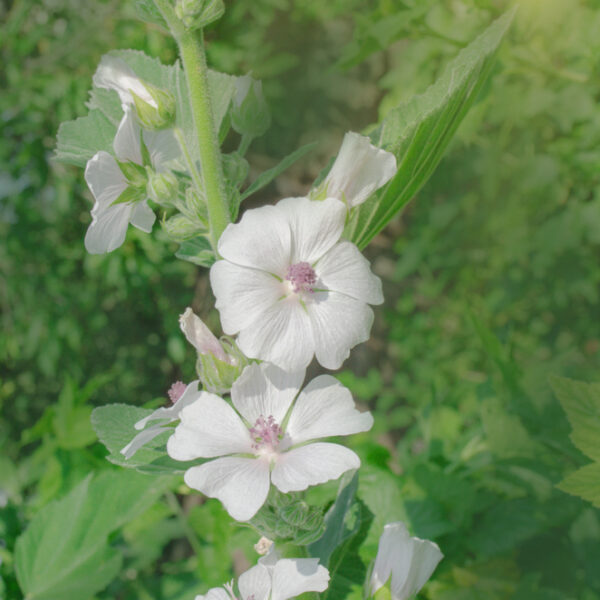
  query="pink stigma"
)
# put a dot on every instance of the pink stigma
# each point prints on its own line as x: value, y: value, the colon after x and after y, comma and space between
x: 176, y: 391
x: 302, y: 277
x: 266, y: 433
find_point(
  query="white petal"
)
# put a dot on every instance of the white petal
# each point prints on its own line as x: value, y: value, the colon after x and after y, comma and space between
x: 114, y: 74
x: 263, y: 390
x: 141, y: 439
x: 260, y: 240
x: 241, y: 484
x: 344, y: 269
x: 308, y: 465
x: 108, y: 228
x: 104, y: 178
x: 243, y: 295
x: 162, y: 146
x: 142, y: 217
x: 315, y: 226
x: 359, y: 169
x: 281, y: 335
x: 325, y: 408
x: 339, y: 322
x: 208, y: 427
x: 214, y: 594
x: 200, y: 336
x: 409, y: 560
x: 171, y: 413
x: 294, y: 576
x: 127, y: 139
x: 255, y: 583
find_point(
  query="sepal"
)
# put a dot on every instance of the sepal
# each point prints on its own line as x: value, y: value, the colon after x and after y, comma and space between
x: 156, y: 117
x: 197, y: 14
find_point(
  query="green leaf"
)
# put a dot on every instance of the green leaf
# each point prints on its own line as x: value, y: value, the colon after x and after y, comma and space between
x: 419, y: 130
x: 346, y: 568
x: 581, y: 402
x: 198, y: 251
x: 336, y: 525
x: 114, y: 425
x: 585, y: 483
x: 147, y: 11
x: 265, y: 178
x: 78, y: 140
x: 64, y: 553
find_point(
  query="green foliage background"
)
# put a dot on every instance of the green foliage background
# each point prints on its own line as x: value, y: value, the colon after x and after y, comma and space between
x: 491, y: 278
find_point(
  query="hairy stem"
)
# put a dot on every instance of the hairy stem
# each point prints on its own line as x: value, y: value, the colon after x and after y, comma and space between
x: 191, y: 50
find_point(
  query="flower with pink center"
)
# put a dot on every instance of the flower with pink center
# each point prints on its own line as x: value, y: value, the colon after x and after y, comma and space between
x: 180, y: 395
x: 274, y: 578
x: 263, y: 438
x: 291, y: 288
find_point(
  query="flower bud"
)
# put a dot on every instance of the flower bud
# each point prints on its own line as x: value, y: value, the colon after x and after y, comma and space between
x: 157, y: 114
x: 162, y: 188
x: 196, y: 14
x: 249, y: 114
x: 220, y: 362
x: 180, y: 228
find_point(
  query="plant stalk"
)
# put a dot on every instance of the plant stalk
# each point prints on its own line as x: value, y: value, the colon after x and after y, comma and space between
x: 191, y: 51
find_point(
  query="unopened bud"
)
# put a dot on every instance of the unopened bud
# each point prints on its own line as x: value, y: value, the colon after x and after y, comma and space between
x: 180, y: 228
x: 220, y: 362
x: 162, y: 188
x: 197, y: 14
x: 157, y: 114
x: 249, y: 114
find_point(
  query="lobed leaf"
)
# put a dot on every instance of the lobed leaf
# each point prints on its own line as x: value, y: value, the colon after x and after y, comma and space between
x: 585, y: 483
x: 64, y: 553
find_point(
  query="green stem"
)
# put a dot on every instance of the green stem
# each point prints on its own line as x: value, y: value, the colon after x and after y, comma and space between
x: 191, y: 50
x: 244, y: 144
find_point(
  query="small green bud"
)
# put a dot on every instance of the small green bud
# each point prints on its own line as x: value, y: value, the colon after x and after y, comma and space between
x: 305, y: 537
x: 218, y: 375
x: 135, y: 174
x: 249, y: 113
x: 179, y: 228
x: 196, y: 205
x: 295, y: 514
x: 157, y: 115
x: 197, y: 14
x: 162, y: 188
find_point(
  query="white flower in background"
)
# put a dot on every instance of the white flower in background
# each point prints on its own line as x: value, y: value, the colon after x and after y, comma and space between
x: 263, y: 444
x: 114, y: 74
x: 275, y: 578
x: 107, y: 182
x: 291, y: 288
x: 409, y: 560
x: 220, y: 363
x: 180, y: 396
x: 359, y: 169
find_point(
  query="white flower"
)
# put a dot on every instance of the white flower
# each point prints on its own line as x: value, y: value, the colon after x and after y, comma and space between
x: 181, y: 396
x: 275, y: 579
x: 107, y: 182
x: 409, y: 560
x: 114, y: 74
x: 359, y: 169
x: 266, y: 442
x: 291, y: 287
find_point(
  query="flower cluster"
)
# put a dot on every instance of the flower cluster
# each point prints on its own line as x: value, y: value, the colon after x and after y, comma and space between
x: 289, y: 288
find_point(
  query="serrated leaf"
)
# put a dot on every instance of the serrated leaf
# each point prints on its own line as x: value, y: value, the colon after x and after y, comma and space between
x: 419, y: 130
x: 581, y: 402
x: 78, y: 140
x: 147, y: 11
x: 198, y: 251
x: 265, y: 178
x: 64, y: 553
x: 114, y: 426
x: 585, y: 483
